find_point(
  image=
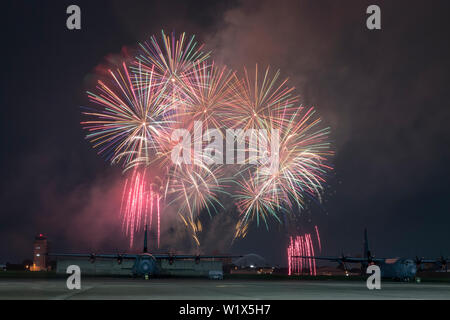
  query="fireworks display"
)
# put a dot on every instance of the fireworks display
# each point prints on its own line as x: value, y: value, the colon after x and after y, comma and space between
x: 303, y: 245
x: 208, y: 93
x: 261, y: 102
x: 174, y: 64
x: 174, y: 86
x: 128, y: 117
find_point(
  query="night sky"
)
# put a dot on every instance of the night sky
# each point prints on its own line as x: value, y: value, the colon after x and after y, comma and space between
x: 385, y: 94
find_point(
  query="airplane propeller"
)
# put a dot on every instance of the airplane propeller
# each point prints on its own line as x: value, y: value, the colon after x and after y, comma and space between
x: 443, y: 263
x: 418, y: 260
x: 343, y: 256
x: 369, y: 257
x: 342, y: 261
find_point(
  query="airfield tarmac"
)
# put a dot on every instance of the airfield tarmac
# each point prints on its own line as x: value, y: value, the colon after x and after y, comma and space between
x: 203, y: 289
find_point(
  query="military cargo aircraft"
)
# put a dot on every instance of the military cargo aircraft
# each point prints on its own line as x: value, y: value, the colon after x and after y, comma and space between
x: 145, y: 264
x: 395, y: 268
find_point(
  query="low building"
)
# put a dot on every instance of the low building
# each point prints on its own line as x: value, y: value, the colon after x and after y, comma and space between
x: 251, y: 264
x: 251, y: 261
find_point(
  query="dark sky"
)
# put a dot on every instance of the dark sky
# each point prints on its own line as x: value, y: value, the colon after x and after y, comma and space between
x: 384, y: 93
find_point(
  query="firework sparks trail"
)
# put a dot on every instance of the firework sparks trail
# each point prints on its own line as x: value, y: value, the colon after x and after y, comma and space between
x: 175, y: 62
x: 159, y: 219
x: 258, y: 104
x: 138, y: 204
x: 195, y: 188
x: 208, y: 92
x: 302, y: 245
x: 255, y: 201
x: 299, y: 171
x: 126, y: 119
x: 318, y: 238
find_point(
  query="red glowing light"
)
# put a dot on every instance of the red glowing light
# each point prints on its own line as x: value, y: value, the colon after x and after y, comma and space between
x: 302, y: 246
x: 138, y: 203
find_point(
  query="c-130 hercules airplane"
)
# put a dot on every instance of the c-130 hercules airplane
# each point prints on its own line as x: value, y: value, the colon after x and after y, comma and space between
x: 395, y: 268
x: 145, y: 264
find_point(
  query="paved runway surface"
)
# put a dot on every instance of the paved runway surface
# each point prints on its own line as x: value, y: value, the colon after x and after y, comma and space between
x: 202, y: 289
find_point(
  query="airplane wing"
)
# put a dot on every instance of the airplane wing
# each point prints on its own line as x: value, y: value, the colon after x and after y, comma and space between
x: 429, y: 261
x: 343, y: 259
x: 134, y: 256
x: 191, y: 257
x: 93, y: 255
x: 435, y: 261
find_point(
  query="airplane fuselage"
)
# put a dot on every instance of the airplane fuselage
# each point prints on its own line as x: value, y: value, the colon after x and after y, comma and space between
x: 145, y: 264
x: 398, y: 269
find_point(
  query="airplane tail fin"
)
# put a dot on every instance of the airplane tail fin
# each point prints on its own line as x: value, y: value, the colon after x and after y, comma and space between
x: 145, y: 240
x: 367, y: 253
